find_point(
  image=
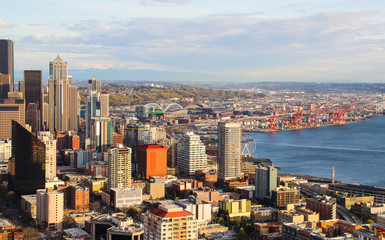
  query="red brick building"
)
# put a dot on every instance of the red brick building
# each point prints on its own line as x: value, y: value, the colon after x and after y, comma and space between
x: 117, y: 139
x: 79, y: 198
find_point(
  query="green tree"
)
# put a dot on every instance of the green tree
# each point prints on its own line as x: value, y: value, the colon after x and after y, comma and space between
x: 242, y: 234
x: 132, y: 212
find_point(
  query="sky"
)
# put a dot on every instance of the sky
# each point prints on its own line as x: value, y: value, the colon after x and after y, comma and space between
x: 200, y: 40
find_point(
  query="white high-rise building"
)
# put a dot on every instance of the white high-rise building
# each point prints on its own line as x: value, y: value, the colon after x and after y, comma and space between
x: 50, y: 208
x: 119, y: 167
x: 229, y: 150
x: 50, y: 154
x: 191, y: 154
x: 5, y: 149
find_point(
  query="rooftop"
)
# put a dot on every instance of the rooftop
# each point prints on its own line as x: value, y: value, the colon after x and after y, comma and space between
x: 170, y: 211
x: 76, y: 233
x: 152, y: 146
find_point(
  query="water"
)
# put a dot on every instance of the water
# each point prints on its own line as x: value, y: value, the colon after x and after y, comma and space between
x: 357, y: 150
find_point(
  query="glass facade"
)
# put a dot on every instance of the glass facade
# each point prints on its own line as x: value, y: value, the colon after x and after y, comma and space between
x: 27, y: 165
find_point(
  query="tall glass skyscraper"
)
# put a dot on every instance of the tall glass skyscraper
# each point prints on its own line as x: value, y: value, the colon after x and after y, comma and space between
x: 6, y: 60
x: 33, y: 95
x: 58, y: 95
x: 27, y: 165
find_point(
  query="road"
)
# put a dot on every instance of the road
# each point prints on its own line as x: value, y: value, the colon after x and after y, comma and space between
x: 341, y: 210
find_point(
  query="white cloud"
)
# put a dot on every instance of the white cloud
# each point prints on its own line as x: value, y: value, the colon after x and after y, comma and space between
x: 249, y: 46
x: 155, y: 2
x: 5, y: 25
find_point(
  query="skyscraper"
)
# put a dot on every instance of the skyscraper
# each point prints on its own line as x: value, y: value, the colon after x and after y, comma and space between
x: 97, y: 103
x: 50, y: 154
x: 101, y: 134
x: 73, y: 107
x: 27, y: 165
x: 105, y: 104
x: 191, y: 154
x: 6, y: 60
x: 5, y: 82
x: 119, y: 167
x: 229, y: 150
x: 58, y: 95
x: 10, y: 109
x: 33, y: 94
x: 265, y: 181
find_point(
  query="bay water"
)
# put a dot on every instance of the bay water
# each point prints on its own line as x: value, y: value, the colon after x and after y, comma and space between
x: 357, y: 150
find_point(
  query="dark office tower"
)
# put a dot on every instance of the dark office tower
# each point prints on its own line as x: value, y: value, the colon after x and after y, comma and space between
x: 32, y: 117
x: 4, y: 85
x: 33, y: 94
x: 27, y: 164
x: 6, y: 59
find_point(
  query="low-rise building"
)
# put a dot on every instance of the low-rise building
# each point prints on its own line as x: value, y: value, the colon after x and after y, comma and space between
x: 81, y: 218
x: 208, y: 196
x: 8, y: 230
x: 297, y: 215
x: 348, y: 200
x: 97, y: 184
x: 264, y: 214
x: 283, y: 196
x: 360, y: 190
x: 75, y: 234
x: 212, y: 228
x: 96, y: 168
x: 125, y: 197
x: 201, y: 211
x: 325, y: 229
x: 155, y: 188
x: 368, y: 210
x: 115, y: 226
x: 325, y: 206
x: 28, y: 204
x: 236, y: 208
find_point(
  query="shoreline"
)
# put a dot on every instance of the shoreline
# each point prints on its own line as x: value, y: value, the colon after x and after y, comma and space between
x: 264, y: 130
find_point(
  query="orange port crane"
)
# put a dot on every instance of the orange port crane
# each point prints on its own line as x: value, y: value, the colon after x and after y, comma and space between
x: 339, y: 115
x: 272, y: 122
x: 296, y: 120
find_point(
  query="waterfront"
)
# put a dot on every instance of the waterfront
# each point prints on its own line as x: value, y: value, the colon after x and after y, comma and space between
x: 357, y: 150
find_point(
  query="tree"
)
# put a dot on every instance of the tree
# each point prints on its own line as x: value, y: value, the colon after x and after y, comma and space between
x: 31, y: 233
x: 242, y: 234
x: 132, y: 212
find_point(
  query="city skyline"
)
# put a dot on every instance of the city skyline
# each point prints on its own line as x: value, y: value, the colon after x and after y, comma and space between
x: 198, y: 41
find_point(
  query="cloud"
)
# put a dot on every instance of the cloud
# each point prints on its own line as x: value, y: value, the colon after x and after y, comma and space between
x: 155, y: 2
x: 249, y: 46
x: 5, y: 25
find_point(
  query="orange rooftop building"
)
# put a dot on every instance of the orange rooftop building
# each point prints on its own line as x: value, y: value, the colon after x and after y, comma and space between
x: 152, y: 160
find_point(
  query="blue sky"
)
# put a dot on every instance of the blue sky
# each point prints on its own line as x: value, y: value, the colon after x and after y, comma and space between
x: 201, y: 40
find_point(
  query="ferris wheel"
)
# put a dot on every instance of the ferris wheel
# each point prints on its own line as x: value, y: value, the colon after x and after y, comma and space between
x: 248, y: 145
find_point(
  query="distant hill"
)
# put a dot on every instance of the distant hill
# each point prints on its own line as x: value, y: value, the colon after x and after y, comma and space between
x: 310, y: 87
x: 131, y: 95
